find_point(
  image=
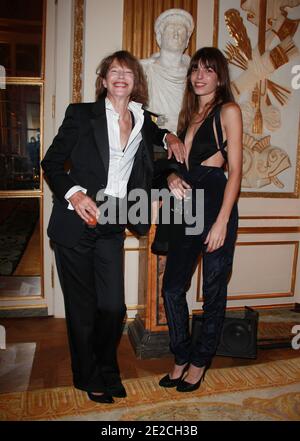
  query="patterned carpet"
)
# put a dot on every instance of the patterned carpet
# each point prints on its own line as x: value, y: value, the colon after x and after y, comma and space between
x: 262, y: 392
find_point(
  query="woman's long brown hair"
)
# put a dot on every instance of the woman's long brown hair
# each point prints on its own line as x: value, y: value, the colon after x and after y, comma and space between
x: 213, y: 58
x: 124, y: 58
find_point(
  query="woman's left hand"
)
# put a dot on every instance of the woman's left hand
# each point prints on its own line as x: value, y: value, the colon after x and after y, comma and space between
x: 216, y: 236
x: 175, y: 147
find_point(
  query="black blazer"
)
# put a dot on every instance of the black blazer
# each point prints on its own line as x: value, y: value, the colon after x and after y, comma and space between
x: 82, y: 142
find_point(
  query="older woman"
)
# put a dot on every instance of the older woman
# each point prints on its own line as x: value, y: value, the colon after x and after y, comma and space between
x: 109, y: 145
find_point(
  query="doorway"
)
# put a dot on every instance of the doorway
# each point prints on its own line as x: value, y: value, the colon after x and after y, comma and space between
x: 22, y: 53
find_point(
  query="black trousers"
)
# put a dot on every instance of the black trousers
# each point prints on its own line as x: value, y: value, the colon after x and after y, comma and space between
x: 92, y: 280
x: 182, y: 259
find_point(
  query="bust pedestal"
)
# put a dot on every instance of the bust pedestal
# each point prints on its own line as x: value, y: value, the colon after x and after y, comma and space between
x: 148, y: 333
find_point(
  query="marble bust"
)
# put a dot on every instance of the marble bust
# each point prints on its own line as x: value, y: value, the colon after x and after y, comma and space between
x: 166, y: 70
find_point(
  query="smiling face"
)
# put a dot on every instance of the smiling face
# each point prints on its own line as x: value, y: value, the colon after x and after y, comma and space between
x: 174, y: 36
x: 204, y: 80
x: 119, y: 81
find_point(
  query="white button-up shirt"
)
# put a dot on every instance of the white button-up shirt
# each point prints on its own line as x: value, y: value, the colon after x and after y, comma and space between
x: 120, y: 161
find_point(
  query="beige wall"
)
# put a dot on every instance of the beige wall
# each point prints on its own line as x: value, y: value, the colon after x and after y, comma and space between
x: 266, y: 265
x: 103, y: 35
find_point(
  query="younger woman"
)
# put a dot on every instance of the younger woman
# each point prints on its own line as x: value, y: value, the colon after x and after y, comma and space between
x: 210, y: 125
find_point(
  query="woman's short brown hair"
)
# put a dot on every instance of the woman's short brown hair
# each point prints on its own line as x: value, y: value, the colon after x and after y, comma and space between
x: 124, y: 58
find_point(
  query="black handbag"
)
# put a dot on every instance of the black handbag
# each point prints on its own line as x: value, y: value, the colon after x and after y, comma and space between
x: 162, y: 169
x: 160, y: 244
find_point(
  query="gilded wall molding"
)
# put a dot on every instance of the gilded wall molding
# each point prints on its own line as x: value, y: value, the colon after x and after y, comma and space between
x: 216, y: 23
x: 258, y: 307
x: 291, y: 291
x: 78, y: 50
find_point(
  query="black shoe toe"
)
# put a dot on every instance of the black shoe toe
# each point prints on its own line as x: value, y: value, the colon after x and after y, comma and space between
x: 117, y: 391
x: 104, y: 398
x: 166, y: 381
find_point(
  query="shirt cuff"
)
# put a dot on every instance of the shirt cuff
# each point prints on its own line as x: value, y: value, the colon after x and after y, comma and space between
x: 164, y: 139
x: 72, y: 191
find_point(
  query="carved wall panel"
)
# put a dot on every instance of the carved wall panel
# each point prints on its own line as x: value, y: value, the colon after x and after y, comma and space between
x: 261, y: 41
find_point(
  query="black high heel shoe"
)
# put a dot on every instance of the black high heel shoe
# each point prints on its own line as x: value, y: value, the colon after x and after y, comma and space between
x: 117, y: 391
x: 104, y: 398
x: 185, y: 386
x: 166, y: 381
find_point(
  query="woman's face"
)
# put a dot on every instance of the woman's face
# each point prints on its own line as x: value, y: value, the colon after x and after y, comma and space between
x: 119, y: 81
x: 204, y: 80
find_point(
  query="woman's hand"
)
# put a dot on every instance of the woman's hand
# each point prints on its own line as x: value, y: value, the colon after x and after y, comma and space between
x: 177, y: 186
x: 84, y: 206
x: 216, y: 236
x: 175, y: 147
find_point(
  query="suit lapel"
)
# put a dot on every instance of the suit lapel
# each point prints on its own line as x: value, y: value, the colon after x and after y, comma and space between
x: 99, y: 124
x: 145, y: 145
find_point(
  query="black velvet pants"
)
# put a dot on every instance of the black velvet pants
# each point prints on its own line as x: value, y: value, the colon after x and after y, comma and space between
x: 182, y: 259
x: 91, y: 277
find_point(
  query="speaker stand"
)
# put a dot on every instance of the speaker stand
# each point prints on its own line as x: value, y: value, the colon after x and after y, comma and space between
x: 147, y: 344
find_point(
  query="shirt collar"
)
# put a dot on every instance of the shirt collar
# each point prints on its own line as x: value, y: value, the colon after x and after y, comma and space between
x: 135, y: 107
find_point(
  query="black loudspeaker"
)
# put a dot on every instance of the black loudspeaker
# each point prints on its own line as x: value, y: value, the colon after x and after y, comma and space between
x: 239, y: 333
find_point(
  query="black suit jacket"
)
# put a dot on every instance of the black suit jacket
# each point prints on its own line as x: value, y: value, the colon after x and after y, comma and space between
x: 82, y: 141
